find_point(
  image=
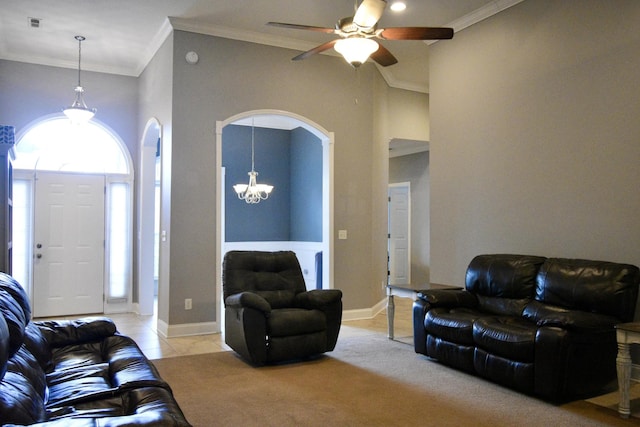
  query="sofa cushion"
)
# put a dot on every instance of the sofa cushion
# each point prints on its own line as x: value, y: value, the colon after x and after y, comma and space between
x: 4, y: 346
x: 502, y: 306
x: 503, y: 275
x: 14, y: 316
x: 26, y: 365
x: 38, y: 346
x: 17, y: 292
x: 65, y: 332
x: 454, y: 325
x: 20, y: 403
x: 592, y: 286
x: 509, y: 337
x: 575, y: 320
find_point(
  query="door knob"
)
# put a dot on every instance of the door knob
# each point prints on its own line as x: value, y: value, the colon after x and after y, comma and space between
x: 38, y: 256
x: 39, y: 245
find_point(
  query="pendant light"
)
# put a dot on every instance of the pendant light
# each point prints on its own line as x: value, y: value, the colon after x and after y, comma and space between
x: 253, y: 192
x: 78, y: 112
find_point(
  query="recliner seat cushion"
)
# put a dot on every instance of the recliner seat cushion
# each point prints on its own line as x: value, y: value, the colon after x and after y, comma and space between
x: 295, y: 321
x: 454, y: 325
x: 509, y: 337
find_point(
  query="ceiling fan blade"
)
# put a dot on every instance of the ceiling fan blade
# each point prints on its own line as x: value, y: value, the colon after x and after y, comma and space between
x: 416, y: 33
x: 383, y: 57
x: 369, y: 13
x: 318, y: 49
x: 302, y: 27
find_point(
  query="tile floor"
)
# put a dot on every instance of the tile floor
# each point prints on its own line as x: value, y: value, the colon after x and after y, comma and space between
x: 143, y: 330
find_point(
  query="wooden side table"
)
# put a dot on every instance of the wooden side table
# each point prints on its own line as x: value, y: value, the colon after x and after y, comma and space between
x: 626, y: 334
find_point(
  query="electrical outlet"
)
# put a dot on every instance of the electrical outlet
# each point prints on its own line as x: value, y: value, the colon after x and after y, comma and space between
x: 188, y: 304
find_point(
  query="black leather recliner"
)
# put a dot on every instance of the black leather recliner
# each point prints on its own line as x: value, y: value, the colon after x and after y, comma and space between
x: 269, y: 315
x: 542, y: 326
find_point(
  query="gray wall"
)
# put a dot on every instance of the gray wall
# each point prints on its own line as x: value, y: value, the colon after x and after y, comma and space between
x: 155, y: 90
x: 29, y: 92
x: 535, y: 137
x: 232, y: 77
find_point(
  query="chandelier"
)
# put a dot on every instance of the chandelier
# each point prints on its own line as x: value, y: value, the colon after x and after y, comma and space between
x: 78, y: 112
x: 253, y: 192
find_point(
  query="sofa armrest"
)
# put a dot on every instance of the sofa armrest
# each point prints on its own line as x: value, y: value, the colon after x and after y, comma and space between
x: 317, y: 298
x: 448, y: 298
x: 59, y: 333
x: 574, y: 320
x: 248, y: 300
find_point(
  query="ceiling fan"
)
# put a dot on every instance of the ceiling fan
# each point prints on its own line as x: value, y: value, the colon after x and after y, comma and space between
x: 357, y: 32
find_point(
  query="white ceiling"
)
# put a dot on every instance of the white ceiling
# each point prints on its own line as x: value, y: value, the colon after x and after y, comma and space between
x: 122, y: 35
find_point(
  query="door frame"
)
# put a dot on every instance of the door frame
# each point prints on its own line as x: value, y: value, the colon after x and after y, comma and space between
x: 146, y: 216
x: 327, y: 139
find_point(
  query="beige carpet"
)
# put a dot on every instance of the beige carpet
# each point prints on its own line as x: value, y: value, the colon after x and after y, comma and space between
x: 366, y: 381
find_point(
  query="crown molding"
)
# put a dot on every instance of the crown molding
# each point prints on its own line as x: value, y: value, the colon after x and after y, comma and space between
x: 393, y: 82
x: 479, y: 15
x: 156, y: 43
x: 193, y: 26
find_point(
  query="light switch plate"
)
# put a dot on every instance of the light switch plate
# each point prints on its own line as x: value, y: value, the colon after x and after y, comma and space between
x: 342, y: 234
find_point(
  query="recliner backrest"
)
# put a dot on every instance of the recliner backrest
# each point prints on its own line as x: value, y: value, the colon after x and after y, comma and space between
x: 276, y: 276
x: 594, y: 286
x: 503, y: 283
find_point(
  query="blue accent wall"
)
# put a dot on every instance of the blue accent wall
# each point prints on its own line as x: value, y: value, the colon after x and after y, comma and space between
x: 306, y: 186
x: 285, y: 159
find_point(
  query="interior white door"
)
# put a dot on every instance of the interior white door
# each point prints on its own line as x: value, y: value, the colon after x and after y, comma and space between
x: 68, y: 269
x: 399, y: 234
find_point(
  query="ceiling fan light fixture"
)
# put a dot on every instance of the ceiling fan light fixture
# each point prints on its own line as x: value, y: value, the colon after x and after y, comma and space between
x: 356, y: 50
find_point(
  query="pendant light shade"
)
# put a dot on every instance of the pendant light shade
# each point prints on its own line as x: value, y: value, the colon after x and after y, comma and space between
x: 78, y: 112
x: 356, y: 50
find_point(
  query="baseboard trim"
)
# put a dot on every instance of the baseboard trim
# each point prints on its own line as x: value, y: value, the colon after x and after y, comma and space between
x: 364, y: 313
x: 186, y: 329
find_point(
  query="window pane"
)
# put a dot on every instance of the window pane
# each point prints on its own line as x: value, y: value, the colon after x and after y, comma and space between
x: 119, y: 237
x: 58, y: 145
x: 21, y: 263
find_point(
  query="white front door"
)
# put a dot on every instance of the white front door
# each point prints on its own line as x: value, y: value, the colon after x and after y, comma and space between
x: 68, y: 268
x: 399, y: 235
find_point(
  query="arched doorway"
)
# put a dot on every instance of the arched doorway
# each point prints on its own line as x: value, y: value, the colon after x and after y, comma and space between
x: 88, y: 162
x: 148, y: 245
x: 277, y: 119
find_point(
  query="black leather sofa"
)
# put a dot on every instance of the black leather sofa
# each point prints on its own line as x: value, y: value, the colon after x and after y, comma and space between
x: 544, y: 327
x: 75, y: 373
